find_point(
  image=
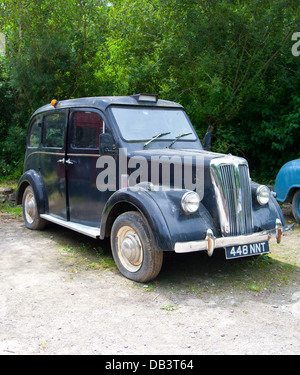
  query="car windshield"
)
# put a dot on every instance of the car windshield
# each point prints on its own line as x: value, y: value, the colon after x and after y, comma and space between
x: 144, y: 123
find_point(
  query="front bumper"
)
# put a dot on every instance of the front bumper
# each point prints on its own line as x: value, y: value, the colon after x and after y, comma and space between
x: 210, y: 243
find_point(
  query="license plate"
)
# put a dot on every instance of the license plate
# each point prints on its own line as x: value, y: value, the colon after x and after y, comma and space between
x: 247, y: 250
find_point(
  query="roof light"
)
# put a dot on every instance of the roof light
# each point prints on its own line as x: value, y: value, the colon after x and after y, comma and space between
x: 152, y: 98
x: 54, y: 102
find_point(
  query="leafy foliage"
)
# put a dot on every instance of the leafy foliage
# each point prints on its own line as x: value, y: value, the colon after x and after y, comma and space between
x: 228, y: 62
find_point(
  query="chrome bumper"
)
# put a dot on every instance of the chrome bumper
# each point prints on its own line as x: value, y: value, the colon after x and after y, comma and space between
x: 210, y: 243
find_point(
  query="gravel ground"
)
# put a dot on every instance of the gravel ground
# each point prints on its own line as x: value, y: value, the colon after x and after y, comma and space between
x: 58, y: 296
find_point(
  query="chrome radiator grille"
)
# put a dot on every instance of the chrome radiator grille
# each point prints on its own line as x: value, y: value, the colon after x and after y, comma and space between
x: 231, y: 181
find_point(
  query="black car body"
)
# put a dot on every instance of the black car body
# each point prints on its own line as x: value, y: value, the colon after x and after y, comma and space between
x: 134, y: 169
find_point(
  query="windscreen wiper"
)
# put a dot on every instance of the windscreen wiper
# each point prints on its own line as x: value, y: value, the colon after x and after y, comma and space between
x: 154, y: 138
x: 178, y: 137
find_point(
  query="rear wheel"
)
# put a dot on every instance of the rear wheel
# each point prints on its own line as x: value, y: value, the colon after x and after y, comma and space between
x: 31, y: 215
x: 132, y: 248
x: 296, y: 206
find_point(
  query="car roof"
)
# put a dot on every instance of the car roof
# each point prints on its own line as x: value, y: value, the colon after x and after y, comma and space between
x: 102, y: 102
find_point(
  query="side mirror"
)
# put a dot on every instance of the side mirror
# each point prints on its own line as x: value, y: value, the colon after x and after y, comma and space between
x: 207, y: 141
x: 106, y: 144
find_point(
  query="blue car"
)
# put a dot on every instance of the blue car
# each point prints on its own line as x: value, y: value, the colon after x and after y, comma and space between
x: 287, y: 186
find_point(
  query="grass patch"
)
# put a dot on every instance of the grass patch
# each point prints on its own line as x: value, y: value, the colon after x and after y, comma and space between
x: 169, y: 307
x: 11, y: 210
x: 85, y: 257
x: 13, y: 184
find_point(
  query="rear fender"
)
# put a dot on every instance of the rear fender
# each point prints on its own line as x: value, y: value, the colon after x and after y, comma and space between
x: 35, y: 180
x: 287, y: 181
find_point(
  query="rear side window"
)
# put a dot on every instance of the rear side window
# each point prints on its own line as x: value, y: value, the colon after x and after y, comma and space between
x: 35, y: 132
x: 54, y: 130
x: 86, y: 126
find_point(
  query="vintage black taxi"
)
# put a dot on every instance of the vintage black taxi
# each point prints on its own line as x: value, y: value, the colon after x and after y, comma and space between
x: 133, y: 169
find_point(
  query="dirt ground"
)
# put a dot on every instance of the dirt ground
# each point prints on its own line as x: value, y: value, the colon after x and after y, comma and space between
x: 59, y: 296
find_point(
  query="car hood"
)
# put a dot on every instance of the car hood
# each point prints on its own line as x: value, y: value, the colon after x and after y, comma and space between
x: 189, y: 154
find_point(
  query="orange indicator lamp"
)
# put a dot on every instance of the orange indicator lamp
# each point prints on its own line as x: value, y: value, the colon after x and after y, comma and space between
x: 53, y: 102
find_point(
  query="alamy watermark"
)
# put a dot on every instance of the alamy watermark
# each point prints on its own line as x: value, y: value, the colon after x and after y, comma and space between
x: 165, y: 172
x: 296, y: 46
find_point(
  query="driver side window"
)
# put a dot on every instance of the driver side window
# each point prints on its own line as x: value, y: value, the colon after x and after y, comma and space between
x: 86, y: 126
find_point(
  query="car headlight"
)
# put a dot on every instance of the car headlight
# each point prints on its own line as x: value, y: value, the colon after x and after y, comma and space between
x: 190, y: 202
x: 263, y: 195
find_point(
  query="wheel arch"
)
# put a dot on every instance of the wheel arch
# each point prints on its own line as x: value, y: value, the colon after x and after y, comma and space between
x: 162, y: 212
x: 33, y: 179
x: 296, y: 205
x: 125, y: 200
x: 21, y: 188
x: 118, y: 209
x: 291, y: 194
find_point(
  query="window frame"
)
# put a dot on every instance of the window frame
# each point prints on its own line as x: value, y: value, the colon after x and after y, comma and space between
x: 71, y: 147
x: 122, y: 133
x: 38, y: 119
x: 44, y: 129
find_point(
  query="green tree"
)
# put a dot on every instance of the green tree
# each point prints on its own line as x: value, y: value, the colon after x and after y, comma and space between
x: 223, y: 60
x: 129, y: 61
x: 50, y: 46
x: 228, y: 62
x: 50, y: 49
x: 221, y: 51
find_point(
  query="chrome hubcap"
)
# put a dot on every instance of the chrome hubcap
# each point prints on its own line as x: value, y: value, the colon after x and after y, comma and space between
x: 30, y: 208
x: 130, y: 250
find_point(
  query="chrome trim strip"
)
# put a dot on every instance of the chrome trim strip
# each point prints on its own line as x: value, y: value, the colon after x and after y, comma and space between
x: 61, y: 154
x: 187, y: 247
x: 85, y: 155
x: 93, y: 232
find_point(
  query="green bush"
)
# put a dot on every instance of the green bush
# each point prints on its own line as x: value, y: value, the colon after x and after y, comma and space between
x: 229, y: 63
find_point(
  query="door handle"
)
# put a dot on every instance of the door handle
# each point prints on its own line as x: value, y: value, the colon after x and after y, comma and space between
x: 69, y: 161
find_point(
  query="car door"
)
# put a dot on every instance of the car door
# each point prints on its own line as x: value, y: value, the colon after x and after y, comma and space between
x: 52, y: 161
x: 85, y: 201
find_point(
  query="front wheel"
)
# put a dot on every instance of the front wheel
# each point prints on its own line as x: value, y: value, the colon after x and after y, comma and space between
x: 30, y: 211
x: 133, y: 249
x: 296, y: 206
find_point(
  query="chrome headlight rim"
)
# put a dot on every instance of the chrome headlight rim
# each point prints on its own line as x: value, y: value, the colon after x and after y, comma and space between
x: 263, y: 195
x: 190, y: 202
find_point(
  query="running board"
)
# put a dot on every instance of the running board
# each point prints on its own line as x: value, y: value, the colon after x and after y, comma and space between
x: 84, y: 229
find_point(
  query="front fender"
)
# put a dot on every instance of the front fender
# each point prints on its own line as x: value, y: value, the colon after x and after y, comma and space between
x: 287, y: 180
x: 31, y: 177
x: 163, y: 214
x: 264, y: 217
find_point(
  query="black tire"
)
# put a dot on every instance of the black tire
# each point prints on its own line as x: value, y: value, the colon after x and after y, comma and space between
x: 133, y: 249
x: 296, y: 206
x: 31, y: 215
